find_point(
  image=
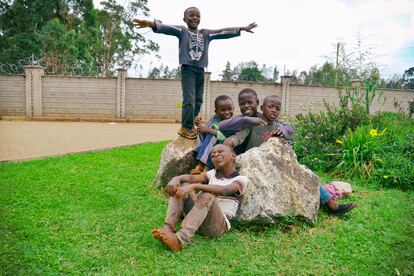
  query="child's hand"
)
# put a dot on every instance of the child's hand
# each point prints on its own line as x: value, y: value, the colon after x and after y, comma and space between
x: 142, y: 23
x: 229, y: 143
x: 172, y: 186
x: 204, y: 129
x: 249, y: 27
x: 259, y: 122
x: 277, y: 133
x: 197, y: 121
x: 182, y: 191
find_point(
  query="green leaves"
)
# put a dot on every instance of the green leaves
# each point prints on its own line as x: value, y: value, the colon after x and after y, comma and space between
x: 361, y: 151
x: 71, y: 36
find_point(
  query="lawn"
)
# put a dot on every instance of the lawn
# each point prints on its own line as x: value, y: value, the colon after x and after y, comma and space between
x: 93, y: 213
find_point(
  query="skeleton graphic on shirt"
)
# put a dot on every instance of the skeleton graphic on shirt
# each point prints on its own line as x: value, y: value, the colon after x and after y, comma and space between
x: 196, y: 45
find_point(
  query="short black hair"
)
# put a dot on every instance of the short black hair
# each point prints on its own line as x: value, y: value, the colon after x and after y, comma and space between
x: 230, y: 148
x: 187, y: 9
x: 272, y: 97
x: 220, y: 99
x: 248, y: 91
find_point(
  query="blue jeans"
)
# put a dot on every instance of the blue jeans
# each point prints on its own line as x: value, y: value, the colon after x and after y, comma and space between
x: 325, y: 196
x: 192, y: 82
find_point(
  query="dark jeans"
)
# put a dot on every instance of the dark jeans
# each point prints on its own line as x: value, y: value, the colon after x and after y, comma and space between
x: 192, y: 83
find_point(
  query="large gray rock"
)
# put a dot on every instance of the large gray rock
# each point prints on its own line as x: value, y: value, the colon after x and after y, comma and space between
x: 278, y: 185
x: 176, y: 159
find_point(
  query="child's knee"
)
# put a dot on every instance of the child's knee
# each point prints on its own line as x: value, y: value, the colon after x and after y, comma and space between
x: 205, y: 199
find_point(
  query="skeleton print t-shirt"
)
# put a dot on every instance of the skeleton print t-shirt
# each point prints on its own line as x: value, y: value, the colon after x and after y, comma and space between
x: 193, y: 45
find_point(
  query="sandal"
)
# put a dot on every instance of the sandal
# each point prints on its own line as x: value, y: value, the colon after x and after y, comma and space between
x: 187, y: 133
x: 342, y: 209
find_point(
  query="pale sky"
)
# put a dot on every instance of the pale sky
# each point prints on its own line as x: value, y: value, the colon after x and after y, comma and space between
x: 295, y: 34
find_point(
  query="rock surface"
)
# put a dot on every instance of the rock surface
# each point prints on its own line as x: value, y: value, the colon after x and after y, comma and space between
x: 278, y: 185
x: 176, y: 159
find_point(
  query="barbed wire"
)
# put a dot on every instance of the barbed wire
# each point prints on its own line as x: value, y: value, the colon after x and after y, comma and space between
x: 76, y: 69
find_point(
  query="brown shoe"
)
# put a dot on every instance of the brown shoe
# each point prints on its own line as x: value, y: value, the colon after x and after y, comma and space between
x: 197, y: 170
x: 171, y: 240
x: 187, y: 133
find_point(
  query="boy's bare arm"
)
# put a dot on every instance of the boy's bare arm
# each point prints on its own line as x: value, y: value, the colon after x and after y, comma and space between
x: 142, y: 23
x: 230, y: 189
x: 176, y: 182
x: 249, y: 27
x: 237, y: 138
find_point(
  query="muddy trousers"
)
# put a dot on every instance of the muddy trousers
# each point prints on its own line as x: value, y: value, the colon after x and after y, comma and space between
x: 202, y: 214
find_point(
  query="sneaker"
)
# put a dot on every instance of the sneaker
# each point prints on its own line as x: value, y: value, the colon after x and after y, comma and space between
x: 342, y: 209
x: 187, y: 133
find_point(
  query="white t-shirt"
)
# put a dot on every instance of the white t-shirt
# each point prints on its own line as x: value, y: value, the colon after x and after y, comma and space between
x: 228, y: 204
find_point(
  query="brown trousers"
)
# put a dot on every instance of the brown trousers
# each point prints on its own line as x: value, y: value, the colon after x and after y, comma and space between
x: 202, y: 214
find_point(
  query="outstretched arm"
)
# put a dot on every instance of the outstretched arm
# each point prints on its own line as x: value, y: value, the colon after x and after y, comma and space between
x: 249, y: 27
x: 142, y: 23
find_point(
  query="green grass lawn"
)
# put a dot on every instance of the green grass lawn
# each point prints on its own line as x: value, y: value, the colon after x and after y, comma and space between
x: 94, y: 212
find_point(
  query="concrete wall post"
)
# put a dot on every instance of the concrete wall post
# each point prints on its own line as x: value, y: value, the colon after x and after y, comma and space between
x: 206, y: 108
x: 285, y: 93
x: 34, y: 91
x: 120, y: 92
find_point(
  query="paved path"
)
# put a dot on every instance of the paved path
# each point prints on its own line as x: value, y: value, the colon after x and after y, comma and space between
x: 24, y: 140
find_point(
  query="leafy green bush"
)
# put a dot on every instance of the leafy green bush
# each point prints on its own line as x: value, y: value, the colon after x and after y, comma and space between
x: 339, y: 142
x: 361, y: 151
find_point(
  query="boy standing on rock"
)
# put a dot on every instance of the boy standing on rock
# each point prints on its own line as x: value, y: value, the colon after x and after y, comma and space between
x: 193, y: 58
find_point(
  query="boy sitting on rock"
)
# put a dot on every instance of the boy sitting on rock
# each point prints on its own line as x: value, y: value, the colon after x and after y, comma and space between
x: 220, y: 126
x: 208, y: 211
x: 257, y: 135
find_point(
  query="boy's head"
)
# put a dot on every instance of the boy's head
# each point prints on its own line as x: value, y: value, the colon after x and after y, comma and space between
x: 248, y: 102
x: 224, y: 107
x: 222, y: 156
x: 192, y: 17
x: 271, y: 108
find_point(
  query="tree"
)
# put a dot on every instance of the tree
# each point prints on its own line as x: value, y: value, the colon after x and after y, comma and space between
x: 120, y: 43
x: 72, y: 33
x: 227, y: 74
x: 250, y: 71
x: 165, y: 73
x: 408, y: 78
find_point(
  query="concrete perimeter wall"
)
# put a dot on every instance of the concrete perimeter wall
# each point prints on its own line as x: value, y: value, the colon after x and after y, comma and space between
x: 36, y: 95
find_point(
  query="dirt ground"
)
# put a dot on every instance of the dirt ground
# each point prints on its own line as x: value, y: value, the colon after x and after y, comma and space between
x: 25, y: 140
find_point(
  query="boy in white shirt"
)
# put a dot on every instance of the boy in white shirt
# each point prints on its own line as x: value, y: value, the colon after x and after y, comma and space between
x: 208, y: 211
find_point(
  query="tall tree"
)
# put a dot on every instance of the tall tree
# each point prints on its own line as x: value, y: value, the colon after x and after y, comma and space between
x: 72, y: 33
x: 227, y: 74
x: 408, y: 78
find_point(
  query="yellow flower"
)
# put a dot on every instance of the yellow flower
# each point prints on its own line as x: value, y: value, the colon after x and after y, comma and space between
x: 373, y: 132
x: 339, y: 141
x: 385, y: 176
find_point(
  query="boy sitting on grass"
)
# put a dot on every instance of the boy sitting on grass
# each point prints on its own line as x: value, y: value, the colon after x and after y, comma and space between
x: 208, y: 211
x: 257, y: 135
x: 220, y: 126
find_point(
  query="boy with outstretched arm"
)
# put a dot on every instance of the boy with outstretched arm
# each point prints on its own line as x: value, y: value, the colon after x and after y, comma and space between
x: 208, y: 211
x: 221, y: 125
x: 255, y: 136
x: 193, y: 58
